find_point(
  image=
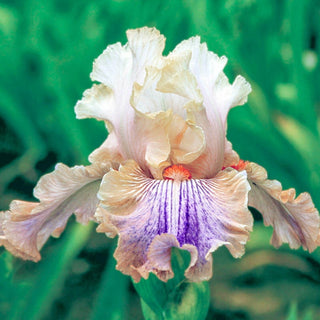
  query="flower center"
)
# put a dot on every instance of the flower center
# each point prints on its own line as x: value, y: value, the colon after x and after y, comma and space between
x: 176, y: 172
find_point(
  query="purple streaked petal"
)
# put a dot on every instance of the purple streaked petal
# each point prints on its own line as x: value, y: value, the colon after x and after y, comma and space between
x: 151, y: 216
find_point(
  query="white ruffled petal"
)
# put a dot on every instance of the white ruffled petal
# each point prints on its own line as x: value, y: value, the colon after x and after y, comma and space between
x: 218, y: 95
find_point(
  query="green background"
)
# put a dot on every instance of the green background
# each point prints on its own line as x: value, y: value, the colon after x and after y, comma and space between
x: 46, y: 54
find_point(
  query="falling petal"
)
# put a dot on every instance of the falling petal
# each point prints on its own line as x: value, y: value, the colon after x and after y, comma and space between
x: 295, y: 219
x: 151, y: 216
x: 28, y: 225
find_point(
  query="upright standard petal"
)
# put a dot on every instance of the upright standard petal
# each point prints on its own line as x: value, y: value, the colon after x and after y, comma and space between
x: 177, y: 79
x: 295, y: 220
x: 137, y: 81
x: 28, y: 225
x: 151, y: 216
x: 218, y: 94
x: 118, y: 68
x: 186, y: 141
x: 199, y: 81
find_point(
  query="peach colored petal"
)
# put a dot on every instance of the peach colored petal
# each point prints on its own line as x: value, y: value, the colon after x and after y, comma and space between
x: 176, y: 78
x: 185, y: 141
x: 151, y: 216
x: 295, y: 219
x: 28, y: 225
x: 150, y: 144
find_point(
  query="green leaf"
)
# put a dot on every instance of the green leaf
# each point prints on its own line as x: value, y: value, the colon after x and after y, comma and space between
x: 293, y: 313
x: 113, y: 292
x: 178, y: 298
x: 51, y: 275
x: 10, y: 291
x: 308, y: 315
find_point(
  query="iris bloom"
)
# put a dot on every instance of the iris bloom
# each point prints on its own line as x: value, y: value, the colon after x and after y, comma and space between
x: 165, y: 176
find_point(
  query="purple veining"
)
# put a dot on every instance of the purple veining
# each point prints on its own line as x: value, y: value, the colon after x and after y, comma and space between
x: 193, y: 211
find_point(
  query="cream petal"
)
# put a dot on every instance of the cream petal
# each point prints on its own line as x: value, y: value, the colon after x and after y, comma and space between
x: 150, y: 145
x: 27, y: 226
x: 118, y: 68
x: 147, y: 98
x: 96, y: 103
x: 150, y: 216
x: 146, y: 45
x: 113, y: 67
x: 218, y: 95
x: 177, y: 78
x: 186, y: 141
x: 295, y: 219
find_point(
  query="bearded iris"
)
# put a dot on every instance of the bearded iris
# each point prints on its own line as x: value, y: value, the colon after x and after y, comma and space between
x: 166, y: 176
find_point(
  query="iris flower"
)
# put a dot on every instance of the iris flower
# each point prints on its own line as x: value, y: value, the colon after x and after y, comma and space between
x: 166, y: 176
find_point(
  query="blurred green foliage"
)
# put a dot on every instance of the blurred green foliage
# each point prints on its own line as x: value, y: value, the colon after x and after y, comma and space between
x: 47, y: 49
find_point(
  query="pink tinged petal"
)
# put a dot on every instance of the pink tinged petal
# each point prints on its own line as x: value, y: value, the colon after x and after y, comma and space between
x: 295, y: 220
x: 6, y: 215
x: 27, y: 226
x: 151, y: 216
